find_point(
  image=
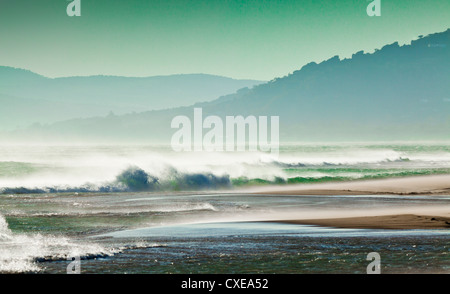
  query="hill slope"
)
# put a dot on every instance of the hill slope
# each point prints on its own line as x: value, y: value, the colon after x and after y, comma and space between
x: 27, y: 97
x: 397, y: 92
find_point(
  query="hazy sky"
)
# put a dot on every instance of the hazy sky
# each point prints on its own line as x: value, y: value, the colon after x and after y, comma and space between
x: 256, y: 39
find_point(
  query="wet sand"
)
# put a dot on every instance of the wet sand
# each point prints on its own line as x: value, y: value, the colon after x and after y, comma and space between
x: 398, y: 222
x: 421, y: 185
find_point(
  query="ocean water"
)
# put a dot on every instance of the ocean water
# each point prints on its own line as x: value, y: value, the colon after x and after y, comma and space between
x: 145, y: 209
x: 103, y: 168
x: 211, y: 233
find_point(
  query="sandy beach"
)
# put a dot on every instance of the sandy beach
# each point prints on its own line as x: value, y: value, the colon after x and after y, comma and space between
x: 418, y: 185
x: 421, y: 185
x: 399, y: 222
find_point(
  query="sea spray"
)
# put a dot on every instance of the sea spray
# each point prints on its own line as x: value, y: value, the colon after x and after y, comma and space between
x: 22, y: 252
x: 5, y: 232
x: 109, y: 169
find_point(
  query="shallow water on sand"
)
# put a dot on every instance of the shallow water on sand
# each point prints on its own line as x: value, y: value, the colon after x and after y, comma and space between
x: 212, y: 233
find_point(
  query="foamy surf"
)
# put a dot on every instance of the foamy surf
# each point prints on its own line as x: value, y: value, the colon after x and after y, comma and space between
x: 246, y: 228
x: 25, y: 253
x: 107, y: 169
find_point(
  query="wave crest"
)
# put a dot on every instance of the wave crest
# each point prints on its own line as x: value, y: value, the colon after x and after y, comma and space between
x: 22, y: 253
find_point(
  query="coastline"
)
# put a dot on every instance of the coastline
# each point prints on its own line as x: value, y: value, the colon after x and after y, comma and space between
x: 420, y: 185
x: 391, y: 222
x: 417, y: 185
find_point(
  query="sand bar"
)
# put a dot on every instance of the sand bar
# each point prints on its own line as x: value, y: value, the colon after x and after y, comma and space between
x: 420, y: 185
x: 400, y: 221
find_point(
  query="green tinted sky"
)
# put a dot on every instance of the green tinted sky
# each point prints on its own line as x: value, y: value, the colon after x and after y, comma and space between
x: 258, y: 39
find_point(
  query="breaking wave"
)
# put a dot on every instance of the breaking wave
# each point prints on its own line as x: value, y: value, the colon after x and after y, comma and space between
x: 135, y: 179
x: 22, y: 253
x: 120, y: 210
x: 133, y: 169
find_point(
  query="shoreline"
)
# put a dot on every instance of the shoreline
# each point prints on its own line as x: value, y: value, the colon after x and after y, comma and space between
x: 388, y: 222
x: 415, y: 185
x: 419, y: 185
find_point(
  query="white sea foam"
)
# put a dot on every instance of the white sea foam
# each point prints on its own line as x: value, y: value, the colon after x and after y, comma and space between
x: 20, y: 252
x: 92, y: 168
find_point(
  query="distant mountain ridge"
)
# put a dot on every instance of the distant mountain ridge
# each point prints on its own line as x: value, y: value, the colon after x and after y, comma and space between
x: 395, y: 93
x: 27, y: 97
